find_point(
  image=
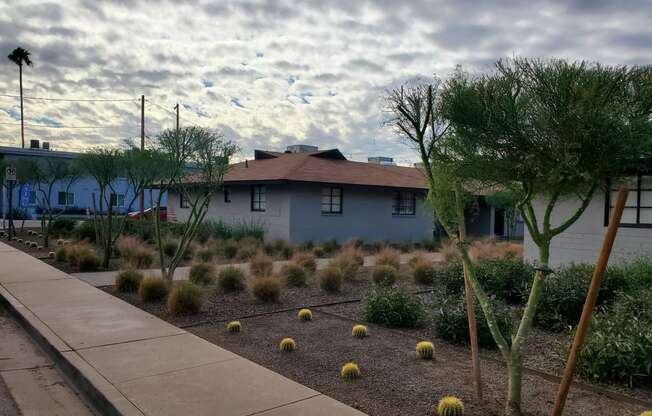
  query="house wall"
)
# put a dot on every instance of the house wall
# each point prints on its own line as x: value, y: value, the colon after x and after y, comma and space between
x: 366, y: 214
x: 582, y: 241
x: 275, y: 219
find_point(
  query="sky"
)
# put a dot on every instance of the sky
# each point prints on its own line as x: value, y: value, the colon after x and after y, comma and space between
x: 268, y: 74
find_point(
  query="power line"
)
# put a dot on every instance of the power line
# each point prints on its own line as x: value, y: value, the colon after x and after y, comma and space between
x: 63, y: 127
x: 72, y: 99
x: 160, y: 106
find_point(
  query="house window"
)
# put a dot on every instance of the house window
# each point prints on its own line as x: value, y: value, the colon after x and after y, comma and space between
x: 227, y: 194
x: 117, y: 200
x: 404, y: 203
x: 66, y: 198
x: 183, y: 201
x: 331, y: 200
x: 638, y: 207
x: 258, y: 200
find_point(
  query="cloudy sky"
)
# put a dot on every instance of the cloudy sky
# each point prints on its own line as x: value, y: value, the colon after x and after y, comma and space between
x: 273, y: 73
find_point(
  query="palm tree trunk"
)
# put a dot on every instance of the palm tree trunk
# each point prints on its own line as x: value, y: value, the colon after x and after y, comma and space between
x: 22, y: 123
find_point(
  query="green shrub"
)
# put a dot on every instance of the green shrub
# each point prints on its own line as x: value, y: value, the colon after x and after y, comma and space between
x: 423, y: 273
x: 205, y: 254
x: 388, y: 257
x: 451, y: 321
x: 450, y: 277
x: 261, y: 265
x: 63, y: 226
x: 185, y: 299
x: 393, y: 307
x: 329, y: 247
x: 88, y: 260
x: 153, y: 288
x: 230, y: 250
x: 231, y: 279
x: 128, y: 281
x: 384, y: 275
x: 201, y: 273
x: 232, y: 230
x: 619, y: 346
x: 631, y: 276
x: 170, y: 247
x: 294, y: 274
x: 508, y: 278
x: 267, y: 289
x: 307, y: 261
x: 319, y: 252
x: 330, y: 279
x: 564, y: 293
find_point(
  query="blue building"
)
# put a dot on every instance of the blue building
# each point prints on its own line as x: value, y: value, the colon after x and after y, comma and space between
x: 73, y: 197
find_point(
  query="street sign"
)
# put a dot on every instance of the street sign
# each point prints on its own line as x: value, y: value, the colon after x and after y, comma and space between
x: 10, y: 173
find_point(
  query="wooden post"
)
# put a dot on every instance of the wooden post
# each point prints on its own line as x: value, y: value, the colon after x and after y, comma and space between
x: 473, y: 334
x: 141, y: 198
x: 591, y: 298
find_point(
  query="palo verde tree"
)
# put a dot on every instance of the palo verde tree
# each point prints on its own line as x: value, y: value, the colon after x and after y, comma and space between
x: 195, y: 160
x: 545, y: 130
x: 414, y: 113
x: 46, y: 176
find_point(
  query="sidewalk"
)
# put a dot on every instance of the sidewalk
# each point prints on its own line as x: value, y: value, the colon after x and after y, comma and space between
x: 108, y: 278
x: 129, y: 362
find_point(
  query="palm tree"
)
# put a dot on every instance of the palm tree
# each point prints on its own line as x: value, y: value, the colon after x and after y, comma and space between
x: 20, y: 56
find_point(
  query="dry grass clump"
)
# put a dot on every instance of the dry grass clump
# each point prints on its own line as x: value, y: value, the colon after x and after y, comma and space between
x: 389, y: 257
x: 231, y: 279
x: 185, y: 299
x: 267, y: 289
x: 128, y: 281
x: 349, y: 261
x: 153, y: 288
x: 247, y: 248
x: 230, y: 249
x: 135, y: 252
x: 80, y: 256
x: 201, y: 273
x: 205, y: 254
x: 489, y: 249
x: 424, y: 273
x: 294, y: 275
x: 306, y: 260
x: 261, y: 265
x: 170, y: 247
x: 384, y: 275
x: 449, y: 252
x: 330, y: 278
x: 61, y: 254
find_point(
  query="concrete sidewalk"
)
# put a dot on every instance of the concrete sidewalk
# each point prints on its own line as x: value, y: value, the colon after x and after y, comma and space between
x: 129, y: 362
x: 108, y: 278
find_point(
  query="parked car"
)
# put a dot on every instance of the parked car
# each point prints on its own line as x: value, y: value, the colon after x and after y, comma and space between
x: 148, y: 213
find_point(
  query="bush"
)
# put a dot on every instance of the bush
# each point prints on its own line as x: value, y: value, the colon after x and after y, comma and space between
x: 330, y: 279
x: 153, y: 288
x: 423, y: 273
x: 564, y: 292
x: 384, y: 275
x: 205, y: 254
x: 488, y: 249
x: 319, y: 252
x: 63, y: 226
x: 451, y: 322
x: 634, y: 275
x: 261, y: 265
x: 619, y: 345
x: 201, y: 273
x: 170, y: 247
x: 185, y: 299
x: 294, y: 274
x: 307, y: 261
x: 61, y: 254
x: 329, y: 247
x: 231, y: 279
x: 134, y: 252
x: 509, y: 279
x: 349, y: 261
x: 267, y: 289
x: 450, y: 277
x: 230, y: 250
x: 388, y: 257
x: 128, y: 281
x: 393, y: 307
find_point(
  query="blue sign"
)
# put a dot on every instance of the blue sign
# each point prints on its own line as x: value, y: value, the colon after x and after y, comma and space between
x: 25, y: 193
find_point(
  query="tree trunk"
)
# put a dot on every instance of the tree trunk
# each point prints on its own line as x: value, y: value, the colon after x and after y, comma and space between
x: 22, y: 123
x: 514, y: 383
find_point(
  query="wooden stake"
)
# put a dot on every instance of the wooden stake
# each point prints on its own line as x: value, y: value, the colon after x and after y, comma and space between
x: 591, y: 298
x: 473, y: 334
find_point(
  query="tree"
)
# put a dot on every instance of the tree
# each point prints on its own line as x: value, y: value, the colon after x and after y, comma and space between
x: 20, y: 56
x: 43, y: 175
x: 414, y: 114
x: 195, y: 160
x: 545, y: 131
x: 505, y: 201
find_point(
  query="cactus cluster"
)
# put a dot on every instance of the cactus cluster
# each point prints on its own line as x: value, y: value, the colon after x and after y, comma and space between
x: 425, y: 350
x: 20, y: 240
x: 350, y: 371
x: 647, y: 413
x: 234, y: 327
x: 34, y: 244
x: 305, y: 315
x: 359, y: 331
x: 450, y: 406
x: 287, y: 345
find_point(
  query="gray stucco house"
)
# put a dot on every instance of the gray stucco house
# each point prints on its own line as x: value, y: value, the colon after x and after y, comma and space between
x: 305, y: 194
x: 582, y: 241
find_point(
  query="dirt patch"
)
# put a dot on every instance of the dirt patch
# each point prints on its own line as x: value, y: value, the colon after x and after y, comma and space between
x: 394, y: 381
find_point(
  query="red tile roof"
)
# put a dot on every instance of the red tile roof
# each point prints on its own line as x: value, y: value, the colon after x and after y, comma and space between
x: 325, y: 167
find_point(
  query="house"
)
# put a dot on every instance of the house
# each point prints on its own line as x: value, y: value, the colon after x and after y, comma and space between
x: 74, y: 198
x: 306, y: 194
x: 582, y: 241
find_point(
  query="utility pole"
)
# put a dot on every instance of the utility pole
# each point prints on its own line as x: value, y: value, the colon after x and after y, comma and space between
x: 142, y: 148
x: 176, y: 107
